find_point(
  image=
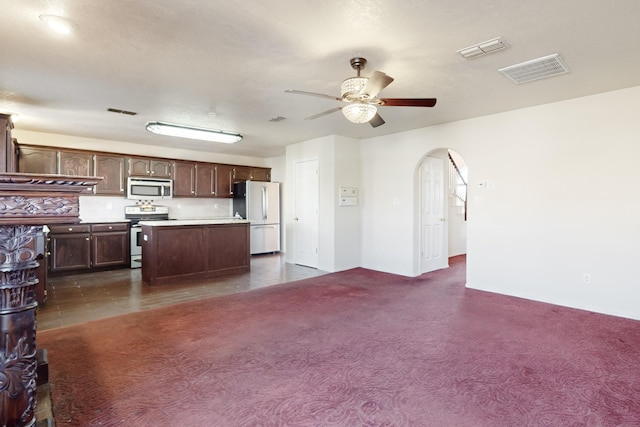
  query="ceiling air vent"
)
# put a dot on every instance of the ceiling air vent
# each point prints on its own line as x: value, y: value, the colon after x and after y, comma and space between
x: 536, y: 69
x: 483, y: 48
x: 117, y: 110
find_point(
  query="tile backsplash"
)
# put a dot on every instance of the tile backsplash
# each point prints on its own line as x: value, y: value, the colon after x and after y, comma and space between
x: 99, y: 208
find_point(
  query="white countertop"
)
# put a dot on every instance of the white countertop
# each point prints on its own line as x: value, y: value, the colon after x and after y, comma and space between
x: 212, y: 221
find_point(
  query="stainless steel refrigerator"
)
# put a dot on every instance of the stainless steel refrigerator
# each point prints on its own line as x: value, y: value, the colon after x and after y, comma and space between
x: 259, y: 202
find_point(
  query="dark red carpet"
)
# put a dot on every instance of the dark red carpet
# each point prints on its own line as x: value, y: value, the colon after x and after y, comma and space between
x: 356, y: 348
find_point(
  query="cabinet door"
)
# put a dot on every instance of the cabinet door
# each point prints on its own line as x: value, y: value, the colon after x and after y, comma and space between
x: 144, y: 166
x: 37, y: 160
x: 111, y: 168
x: 160, y: 168
x: 75, y: 164
x: 205, y: 180
x: 138, y: 166
x: 69, y: 251
x: 224, y: 181
x: 261, y: 174
x: 184, y: 182
x: 241, y: 173
x: 109, y: 248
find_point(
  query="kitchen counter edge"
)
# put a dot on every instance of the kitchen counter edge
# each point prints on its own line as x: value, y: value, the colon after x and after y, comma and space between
x: 179, y: 222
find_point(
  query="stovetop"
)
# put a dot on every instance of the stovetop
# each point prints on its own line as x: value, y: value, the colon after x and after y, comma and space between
x: 137, y: 213
x: 145, y: 210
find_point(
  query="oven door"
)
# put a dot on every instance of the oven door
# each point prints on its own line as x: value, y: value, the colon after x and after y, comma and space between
x: 136, y: 246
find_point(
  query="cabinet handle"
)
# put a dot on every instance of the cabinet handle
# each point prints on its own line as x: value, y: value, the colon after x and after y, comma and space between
x: 110, y: 227
x: 70, y: 229
x: 86, y: 238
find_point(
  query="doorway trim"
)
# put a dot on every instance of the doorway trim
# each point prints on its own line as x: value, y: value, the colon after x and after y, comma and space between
x: 418, y: 199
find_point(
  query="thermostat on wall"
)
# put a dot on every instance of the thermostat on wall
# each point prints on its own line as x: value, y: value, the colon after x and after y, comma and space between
x: 348, y: 196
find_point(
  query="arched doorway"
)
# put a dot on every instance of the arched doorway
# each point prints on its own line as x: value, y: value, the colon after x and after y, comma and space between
x: 442, y: 185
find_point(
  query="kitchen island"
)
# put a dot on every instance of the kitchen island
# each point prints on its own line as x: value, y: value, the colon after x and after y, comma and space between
x: 178, y: 250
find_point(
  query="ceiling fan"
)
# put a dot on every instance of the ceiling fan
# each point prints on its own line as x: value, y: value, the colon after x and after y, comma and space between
x: 361, y: 95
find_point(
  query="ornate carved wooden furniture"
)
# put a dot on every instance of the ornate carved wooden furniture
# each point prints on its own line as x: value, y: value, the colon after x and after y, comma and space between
x: 27, y: 201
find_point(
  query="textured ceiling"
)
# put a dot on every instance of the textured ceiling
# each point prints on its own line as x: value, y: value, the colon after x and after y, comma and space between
x: 182, y: 60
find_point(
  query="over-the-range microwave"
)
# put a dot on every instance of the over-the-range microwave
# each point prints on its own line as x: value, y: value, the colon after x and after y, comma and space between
x: 140, y: 188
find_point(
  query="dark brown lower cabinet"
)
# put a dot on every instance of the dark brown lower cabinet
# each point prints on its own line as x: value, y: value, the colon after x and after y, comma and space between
x: 109, y: 245
x: 87, y: 246
x: 70, y: 247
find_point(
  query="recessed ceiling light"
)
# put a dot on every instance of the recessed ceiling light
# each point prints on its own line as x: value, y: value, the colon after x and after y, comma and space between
x: 58, y: 23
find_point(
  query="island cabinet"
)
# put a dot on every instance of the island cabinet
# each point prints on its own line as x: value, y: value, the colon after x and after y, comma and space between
x: 171, y: 254
x: 88, y: 246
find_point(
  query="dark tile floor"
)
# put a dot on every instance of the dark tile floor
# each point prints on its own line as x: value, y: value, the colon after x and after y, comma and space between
x: 78, y: 298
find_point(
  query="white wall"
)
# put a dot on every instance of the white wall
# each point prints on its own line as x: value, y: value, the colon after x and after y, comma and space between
x: 562, y: 204
x: 347, y: 218
x: 339, y: 227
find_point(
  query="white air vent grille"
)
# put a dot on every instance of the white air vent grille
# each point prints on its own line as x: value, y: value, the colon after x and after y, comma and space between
x: 541, y: 68
x: 483, y: 48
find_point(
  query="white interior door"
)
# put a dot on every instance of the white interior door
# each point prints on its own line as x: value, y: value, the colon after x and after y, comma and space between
x: 306, y: 214
x: 433, y: 235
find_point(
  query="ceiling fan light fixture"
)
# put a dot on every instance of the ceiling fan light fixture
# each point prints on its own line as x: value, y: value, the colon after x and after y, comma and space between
x: 359, y: 112
x: 351, y: 87
x: 191, y: 132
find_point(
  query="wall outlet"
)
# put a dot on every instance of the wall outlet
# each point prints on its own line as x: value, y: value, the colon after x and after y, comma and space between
x: 586, y: 278
x: 215, y: 206
x: 179, y: 205
x: 109, y: 205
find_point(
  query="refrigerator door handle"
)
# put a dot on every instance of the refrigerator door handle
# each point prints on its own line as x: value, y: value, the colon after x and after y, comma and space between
x: 264, y: 203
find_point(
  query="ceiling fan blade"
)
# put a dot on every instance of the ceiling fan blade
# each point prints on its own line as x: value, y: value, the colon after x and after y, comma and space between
x: 377, y: 81
x: 324, y: 113
x: 321, y: 95
x: 407, y: 102
x: 376, y: 121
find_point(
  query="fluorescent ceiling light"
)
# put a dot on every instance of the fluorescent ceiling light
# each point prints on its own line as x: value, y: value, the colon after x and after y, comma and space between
x: 183, y: 131
x: 57, y: 23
